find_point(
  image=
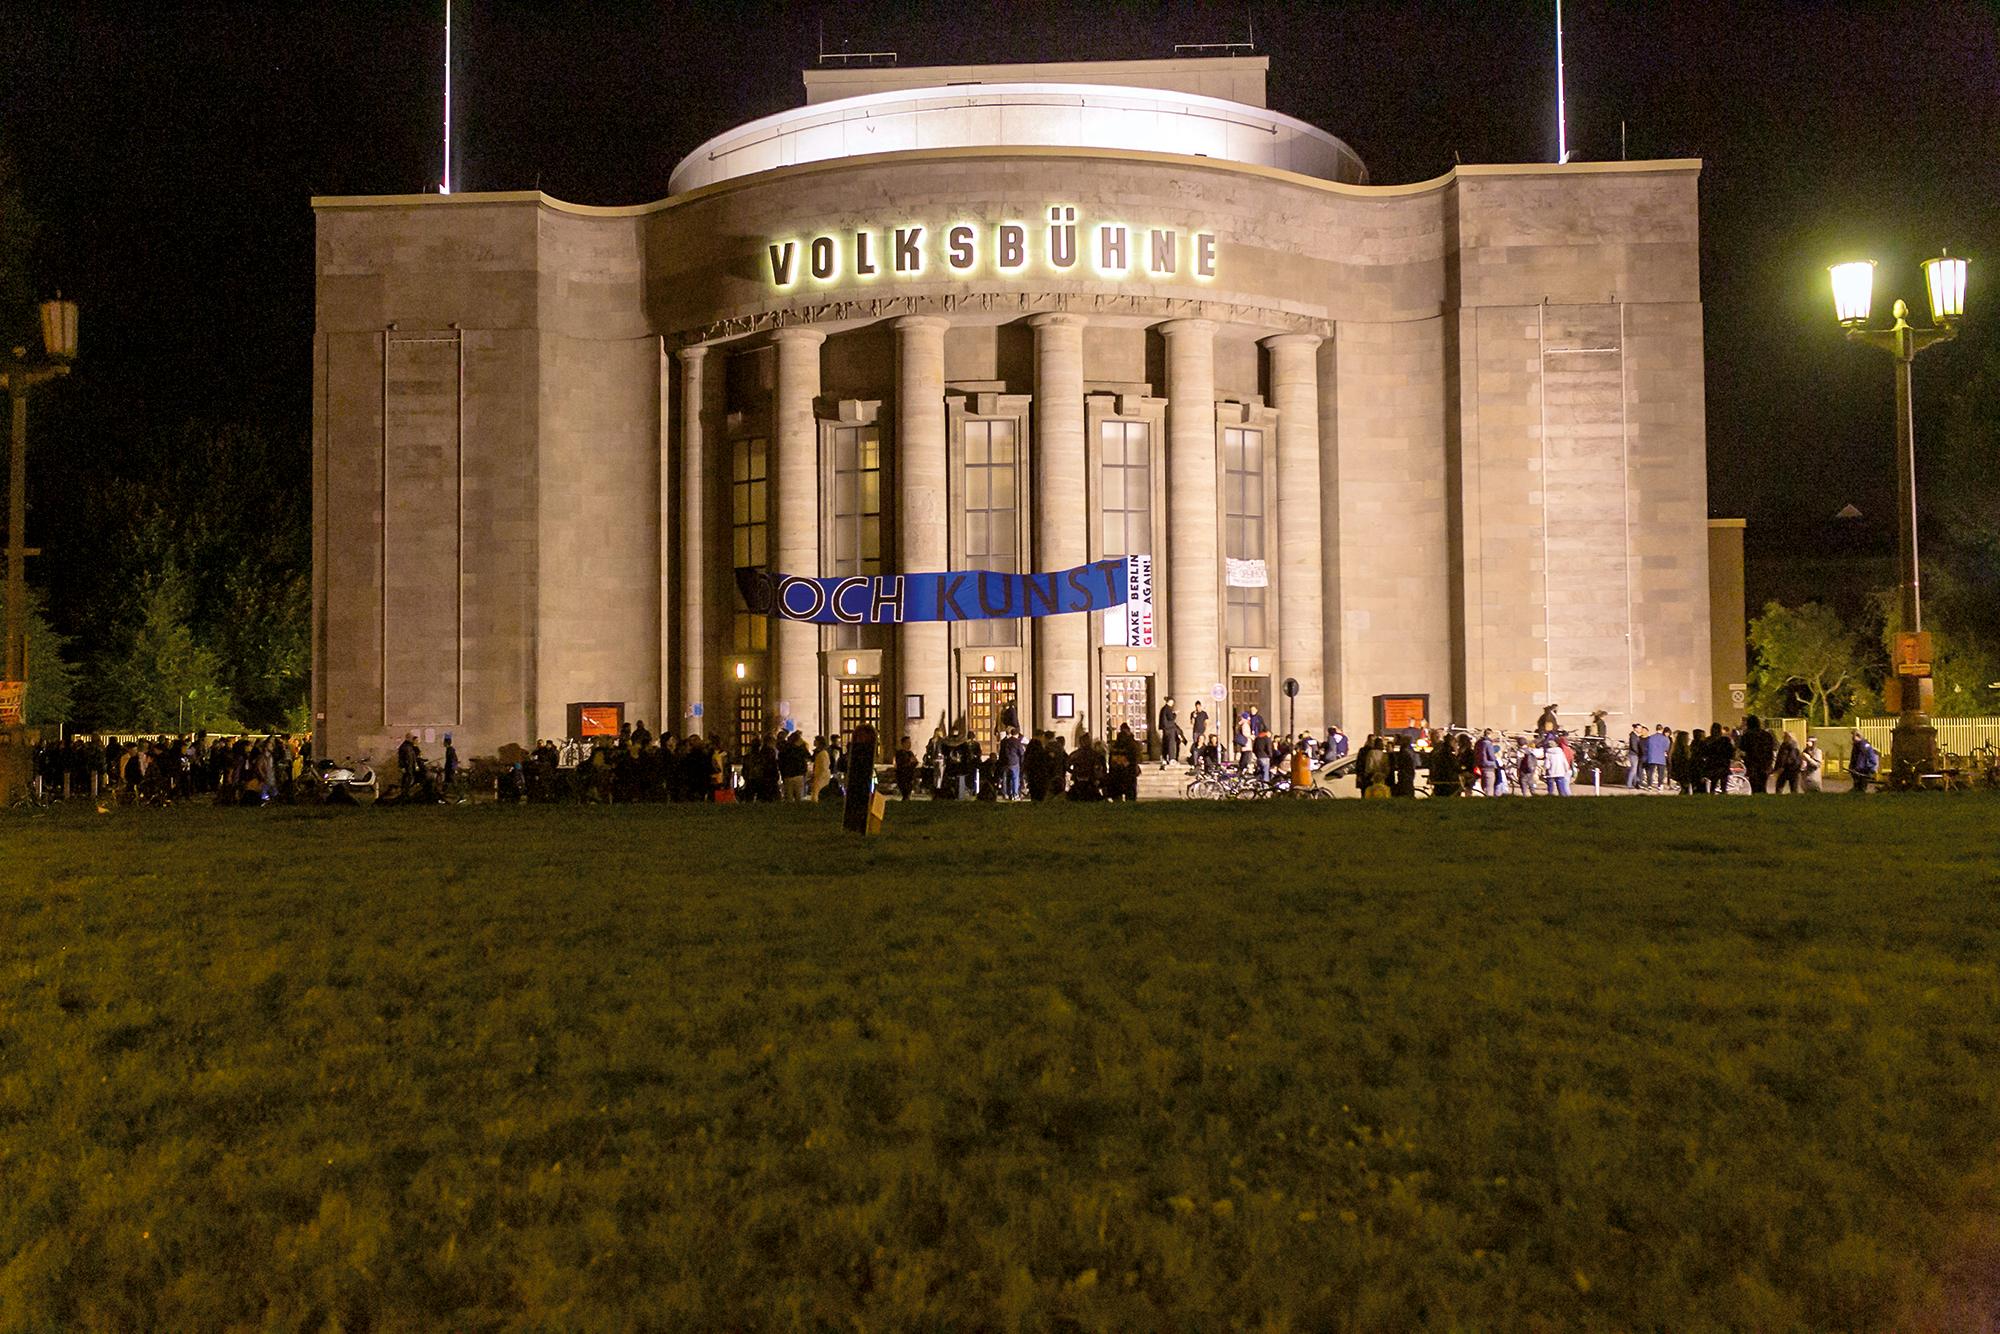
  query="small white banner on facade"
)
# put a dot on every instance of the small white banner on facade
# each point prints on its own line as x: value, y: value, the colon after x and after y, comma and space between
x: 1247, y: 574
x: 1139, y: 602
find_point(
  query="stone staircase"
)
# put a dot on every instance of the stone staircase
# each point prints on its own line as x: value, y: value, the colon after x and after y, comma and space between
x: 1158, y: 785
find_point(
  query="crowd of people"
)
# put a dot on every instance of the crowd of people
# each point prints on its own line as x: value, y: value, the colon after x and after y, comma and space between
x: 1040, y: 767
x: 237, y: 770
x: 1718, y: 759
x: 783, y: 766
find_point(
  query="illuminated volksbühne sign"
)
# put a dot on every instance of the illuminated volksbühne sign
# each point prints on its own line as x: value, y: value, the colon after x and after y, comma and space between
x: 1060, y: 246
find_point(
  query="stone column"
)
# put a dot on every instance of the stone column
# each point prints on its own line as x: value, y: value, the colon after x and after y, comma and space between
x: 1194, y: 640
x: 694, y: 558
x: 923, y: 652
x: 1331, y: 599
x: 1296, y: 543
x: 1062, y: 512
x: 795, y: 535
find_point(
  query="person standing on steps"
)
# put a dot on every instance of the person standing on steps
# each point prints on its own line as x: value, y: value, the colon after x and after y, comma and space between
x: 1170, y: 735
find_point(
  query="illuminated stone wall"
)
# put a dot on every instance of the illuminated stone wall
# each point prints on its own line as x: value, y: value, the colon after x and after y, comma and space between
x: 1496, y: 379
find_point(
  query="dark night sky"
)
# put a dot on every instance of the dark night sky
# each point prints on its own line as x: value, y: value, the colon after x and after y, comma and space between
x: 170, y: 153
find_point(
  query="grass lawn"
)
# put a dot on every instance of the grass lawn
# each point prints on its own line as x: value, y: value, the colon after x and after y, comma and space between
x: 1684, y: 1064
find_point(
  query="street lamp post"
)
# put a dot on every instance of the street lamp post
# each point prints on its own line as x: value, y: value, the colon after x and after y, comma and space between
x: 18, y: 377
x: 1913, y: 750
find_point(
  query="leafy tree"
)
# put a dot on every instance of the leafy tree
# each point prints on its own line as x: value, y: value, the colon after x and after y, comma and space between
x: 165, y: 680
x: 1963, y: 663
x: 228, y: 507
x: 1806, y: 648
x: 264, y: 646
x: 51, y: 679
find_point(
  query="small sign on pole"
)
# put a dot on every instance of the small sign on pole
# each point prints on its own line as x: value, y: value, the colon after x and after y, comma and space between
x: 1913, y: 653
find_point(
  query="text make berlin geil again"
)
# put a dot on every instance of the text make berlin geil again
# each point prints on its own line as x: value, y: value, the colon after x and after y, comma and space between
x: 1111, y: 249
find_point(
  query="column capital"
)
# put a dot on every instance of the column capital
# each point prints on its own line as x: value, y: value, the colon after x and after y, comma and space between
x: 920, y: 324
x: 692, y: 353
x: 1057, y: 319
x: 1188, y: 328
x: 1304, y: 342
x: 799, y: 333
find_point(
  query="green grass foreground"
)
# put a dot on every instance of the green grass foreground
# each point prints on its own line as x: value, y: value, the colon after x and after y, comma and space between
x: 1678, y: 1064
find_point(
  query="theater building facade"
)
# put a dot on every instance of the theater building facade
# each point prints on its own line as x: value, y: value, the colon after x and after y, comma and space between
x: 1441, y: 441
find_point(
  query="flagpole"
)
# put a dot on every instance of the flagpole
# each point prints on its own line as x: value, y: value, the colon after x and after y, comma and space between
x: 446, y: 188
x: 1562, y: 111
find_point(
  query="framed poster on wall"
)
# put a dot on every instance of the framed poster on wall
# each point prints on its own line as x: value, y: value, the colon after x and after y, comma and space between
x: 1402, y: 713
x: 589, y: 721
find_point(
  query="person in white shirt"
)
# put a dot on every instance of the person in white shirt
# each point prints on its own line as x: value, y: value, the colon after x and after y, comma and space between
x: 1555, y: 767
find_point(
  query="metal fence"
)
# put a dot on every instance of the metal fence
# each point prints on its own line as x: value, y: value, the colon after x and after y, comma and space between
x: 1956, y: 736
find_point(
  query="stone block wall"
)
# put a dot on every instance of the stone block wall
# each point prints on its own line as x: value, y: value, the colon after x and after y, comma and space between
x: 1509, y: 398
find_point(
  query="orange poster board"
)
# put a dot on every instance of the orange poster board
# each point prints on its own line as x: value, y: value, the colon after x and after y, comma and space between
x: 1397, y: 713
x: 600, y: 720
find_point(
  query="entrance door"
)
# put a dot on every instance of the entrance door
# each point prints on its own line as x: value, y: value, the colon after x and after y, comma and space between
x: 987, y: 699
x: 861, y: 702
x: 1252, y: 693
x: 749, y: 715
x: 1129, y: 700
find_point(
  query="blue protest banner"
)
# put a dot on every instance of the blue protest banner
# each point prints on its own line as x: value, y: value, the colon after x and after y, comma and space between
x: 957, y: 595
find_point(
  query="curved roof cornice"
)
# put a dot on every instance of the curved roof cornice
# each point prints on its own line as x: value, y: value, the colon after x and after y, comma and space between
x: 779, y: 174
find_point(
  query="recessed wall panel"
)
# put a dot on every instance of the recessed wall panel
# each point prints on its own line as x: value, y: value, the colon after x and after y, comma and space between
x: 420, y: 531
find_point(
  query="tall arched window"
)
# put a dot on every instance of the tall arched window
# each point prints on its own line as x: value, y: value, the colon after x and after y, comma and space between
x: 1245, y: 622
